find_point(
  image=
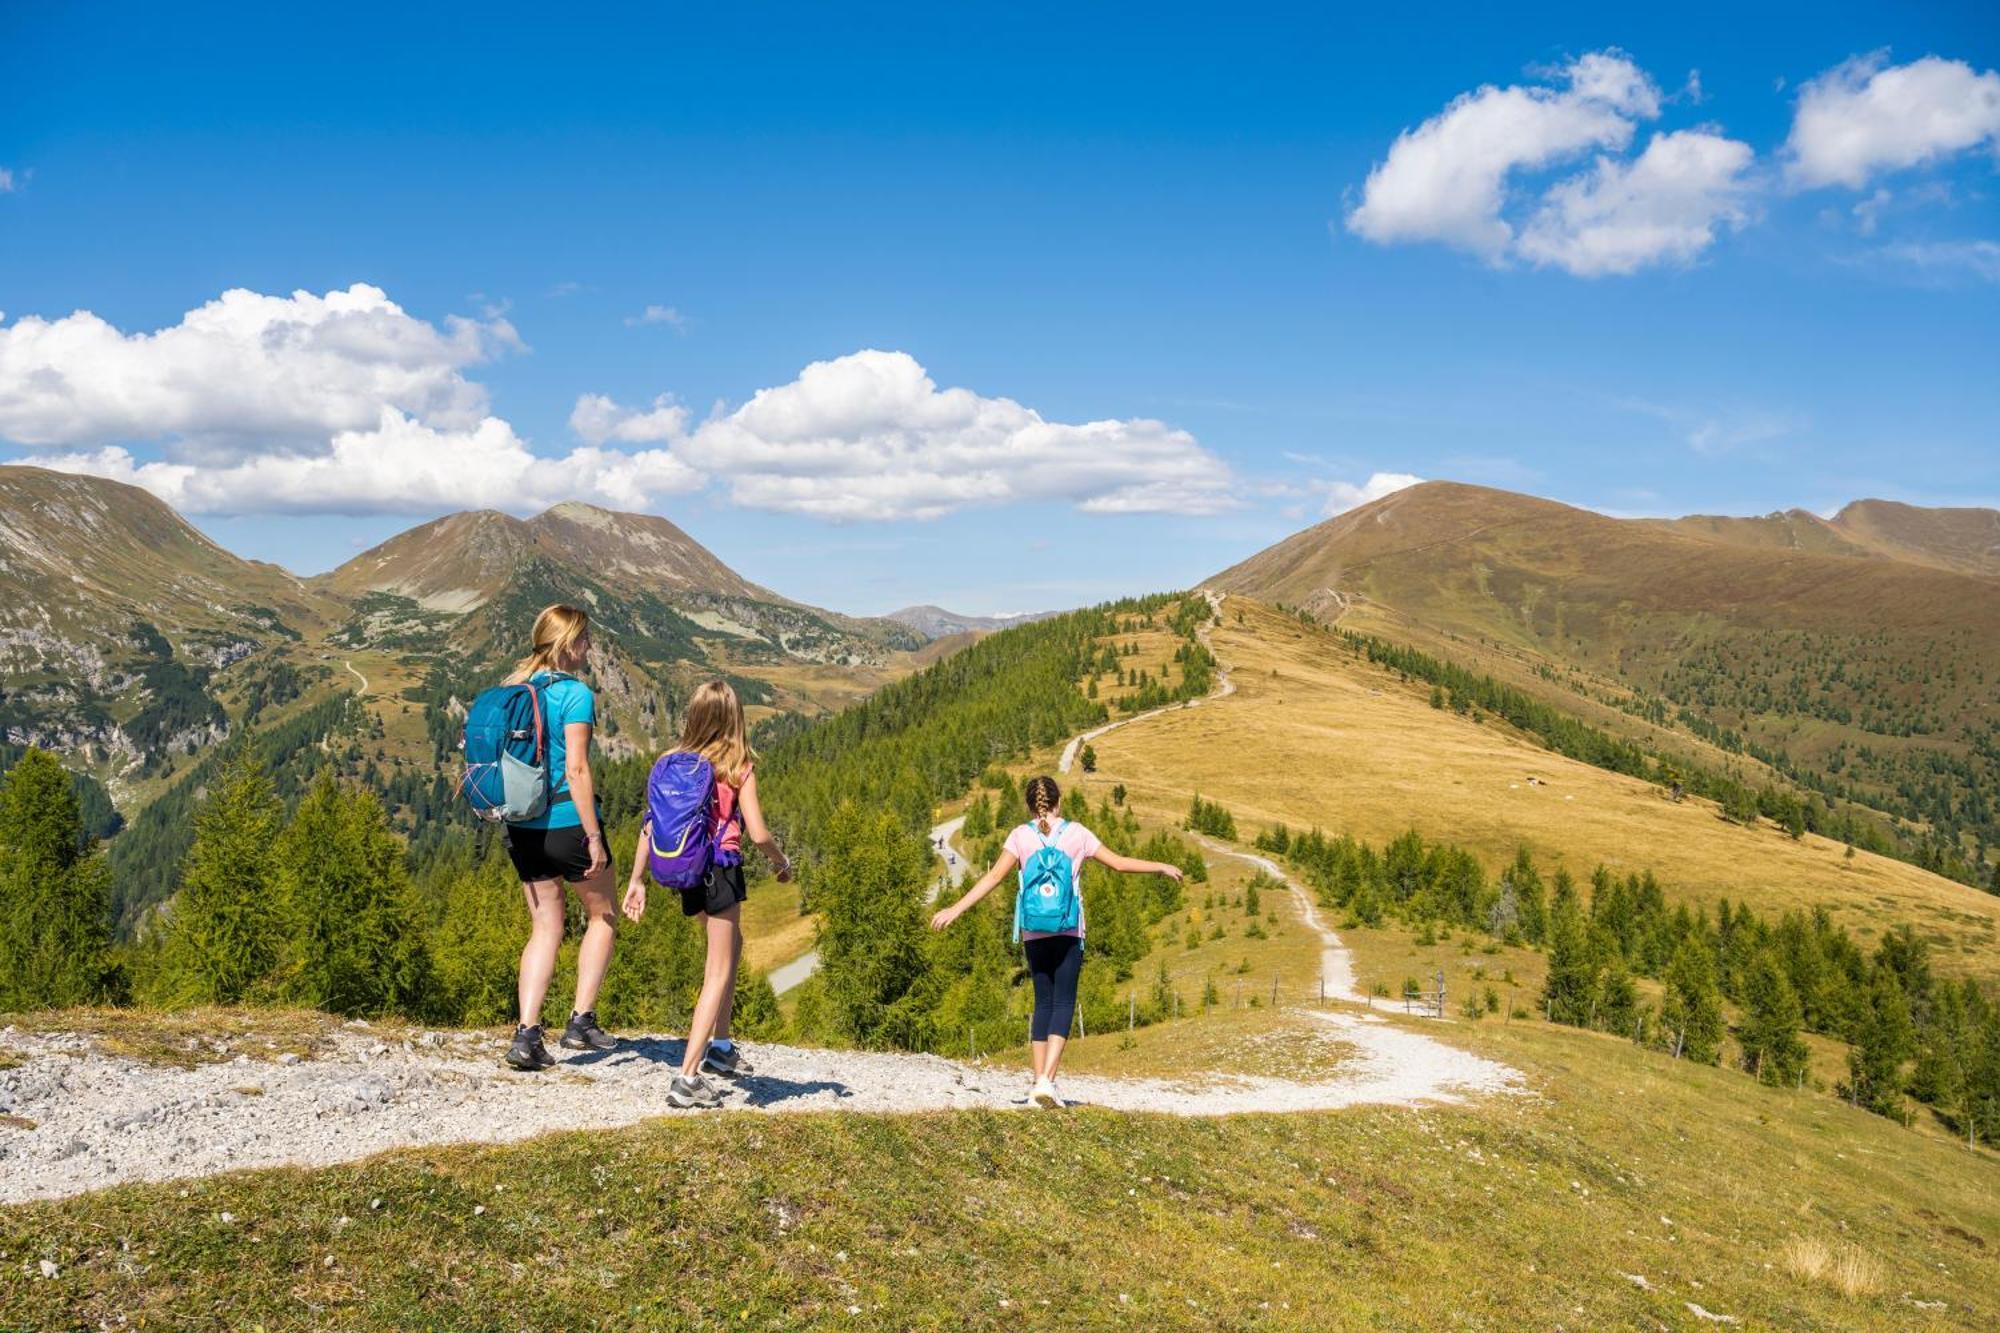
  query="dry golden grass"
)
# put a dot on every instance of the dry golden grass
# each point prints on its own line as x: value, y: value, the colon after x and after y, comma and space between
x: 773, y: 930
x: 1314, y: 737
x: 1845, y: 1268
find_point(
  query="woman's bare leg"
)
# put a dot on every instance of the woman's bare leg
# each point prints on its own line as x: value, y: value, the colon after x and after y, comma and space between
x: 538, y: 956
x: 600, y: 934
x: 725, y: 933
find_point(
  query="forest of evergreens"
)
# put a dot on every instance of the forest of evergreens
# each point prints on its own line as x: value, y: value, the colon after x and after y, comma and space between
x: 1911, y: 1035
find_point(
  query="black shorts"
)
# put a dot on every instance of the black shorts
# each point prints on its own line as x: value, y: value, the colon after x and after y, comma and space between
x: 723, y: 886
x: 549, y: 853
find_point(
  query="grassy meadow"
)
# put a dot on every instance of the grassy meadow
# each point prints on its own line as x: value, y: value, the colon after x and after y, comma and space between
x: 1315, y: 737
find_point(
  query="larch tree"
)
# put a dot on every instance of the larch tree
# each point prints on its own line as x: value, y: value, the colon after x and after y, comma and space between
x: 55, y: 891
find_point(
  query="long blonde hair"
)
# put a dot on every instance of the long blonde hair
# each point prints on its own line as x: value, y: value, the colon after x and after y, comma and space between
x: 556, y: 631
x: 713, y: 728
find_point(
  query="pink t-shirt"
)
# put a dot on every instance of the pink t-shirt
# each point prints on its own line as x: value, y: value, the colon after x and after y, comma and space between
x: 1076, y: 841
x: 728, y: 829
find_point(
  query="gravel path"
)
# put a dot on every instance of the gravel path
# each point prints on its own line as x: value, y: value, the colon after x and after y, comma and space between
x: 100, y: 1120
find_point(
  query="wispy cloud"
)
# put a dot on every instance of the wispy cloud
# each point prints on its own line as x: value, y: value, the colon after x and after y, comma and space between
x: 1718, y: 431
x: 1949, y: 259
x: 6, y: 181
x: 659, y: 314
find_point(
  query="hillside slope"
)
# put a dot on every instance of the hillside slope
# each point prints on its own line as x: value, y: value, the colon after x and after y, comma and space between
x: 1864, y: 678
x: 1315, y: 737
x: 118, y: 620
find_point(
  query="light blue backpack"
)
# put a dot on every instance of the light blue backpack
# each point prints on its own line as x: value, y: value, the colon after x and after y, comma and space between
x: 1048, y: 899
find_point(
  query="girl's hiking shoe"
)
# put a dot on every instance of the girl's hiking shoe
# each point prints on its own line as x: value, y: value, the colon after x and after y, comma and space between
x: 527, y: 1051
x: 1044, y: 1094
x: 581, y: 1033
x: 695, y: 1093
x: 726, y: 1060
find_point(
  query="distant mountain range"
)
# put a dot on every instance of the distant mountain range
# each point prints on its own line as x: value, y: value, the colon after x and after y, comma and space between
x: 1860, y: 654
x: 934, y: 622
x: 1857, y: 654
x: 129, y: 640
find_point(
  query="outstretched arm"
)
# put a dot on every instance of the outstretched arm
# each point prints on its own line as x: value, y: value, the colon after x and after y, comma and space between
x: 1132, y: 865
x: 1001, y: 867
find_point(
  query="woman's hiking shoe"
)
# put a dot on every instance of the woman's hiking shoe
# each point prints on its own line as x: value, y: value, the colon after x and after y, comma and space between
x: 695, y: 1093
x: 527, y: 1051
x: 1044, y: 1094
x: 581, y: 1033
x: 726, y: 1060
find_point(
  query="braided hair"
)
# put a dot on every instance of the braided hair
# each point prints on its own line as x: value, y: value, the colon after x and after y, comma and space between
x: 1044, y: 798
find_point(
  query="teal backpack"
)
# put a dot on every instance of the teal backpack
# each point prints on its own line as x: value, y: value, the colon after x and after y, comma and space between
x: 1048, y: 899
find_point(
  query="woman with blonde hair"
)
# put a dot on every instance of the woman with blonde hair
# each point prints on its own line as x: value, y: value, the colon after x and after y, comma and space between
x: 564, y: 844
x: 713, y: 729
x: 1048, y: 917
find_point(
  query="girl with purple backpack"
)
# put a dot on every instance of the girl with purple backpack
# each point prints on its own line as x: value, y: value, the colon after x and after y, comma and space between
x: 704, y: 793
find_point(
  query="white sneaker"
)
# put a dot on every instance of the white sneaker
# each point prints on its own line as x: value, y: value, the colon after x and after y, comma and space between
x: 1044, y: 1094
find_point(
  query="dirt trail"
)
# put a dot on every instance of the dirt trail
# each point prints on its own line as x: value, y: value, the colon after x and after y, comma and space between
x: 358, y: 676
x: 1224, y: 687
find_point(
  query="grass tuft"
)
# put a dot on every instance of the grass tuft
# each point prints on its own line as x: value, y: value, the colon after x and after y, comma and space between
x: 1847, y: 1269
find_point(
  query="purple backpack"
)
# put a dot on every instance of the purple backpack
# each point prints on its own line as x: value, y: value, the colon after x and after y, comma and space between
x: 680, y: 796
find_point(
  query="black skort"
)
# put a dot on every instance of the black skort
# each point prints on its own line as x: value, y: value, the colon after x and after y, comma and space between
x: 549, y: 853
x: 714, y: 895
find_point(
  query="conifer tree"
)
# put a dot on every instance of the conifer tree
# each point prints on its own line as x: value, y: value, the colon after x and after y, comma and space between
x: 1530, y: 901
x: 55, y: 891
x: 1618, y: 1000
x: 1772, y: 1019
x: 874, y: 966
x: 475, y: 947
x: 1691, y: 1022
x: 1947, y: 1054
x: 1882, y: 1043
x: 352, y: 945
x: 1570, y: 992
x: 222, y: 937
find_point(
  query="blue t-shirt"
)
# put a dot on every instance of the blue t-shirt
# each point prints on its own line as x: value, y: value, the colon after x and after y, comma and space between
x: 565, y: 700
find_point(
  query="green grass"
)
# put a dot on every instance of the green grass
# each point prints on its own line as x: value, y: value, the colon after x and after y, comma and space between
x: 1517, y: 1211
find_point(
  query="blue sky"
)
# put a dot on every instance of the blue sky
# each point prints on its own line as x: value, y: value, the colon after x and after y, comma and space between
x: 1154, y: 219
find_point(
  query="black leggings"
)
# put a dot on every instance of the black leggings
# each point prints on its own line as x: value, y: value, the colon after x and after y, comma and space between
x: 1054, y: 962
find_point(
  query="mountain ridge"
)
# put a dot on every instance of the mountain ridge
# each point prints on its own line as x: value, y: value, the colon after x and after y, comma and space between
x: 1859, y: 677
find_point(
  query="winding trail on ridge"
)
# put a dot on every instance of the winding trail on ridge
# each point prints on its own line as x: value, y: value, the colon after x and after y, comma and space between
x: 79, y: 1119
x: 1224, y: 687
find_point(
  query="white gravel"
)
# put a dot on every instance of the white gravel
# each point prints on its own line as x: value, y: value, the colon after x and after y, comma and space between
x: 102, y: 1120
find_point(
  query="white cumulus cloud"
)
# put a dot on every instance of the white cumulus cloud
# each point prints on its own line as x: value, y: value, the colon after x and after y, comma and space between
x: 400, y: 465
x: 1664, y: 205
x: 240, y: 372
x: 871, y: 436
x: 1448, y: 180
x: 596, y: 418
x: 344, y: 403
x: 1864, y: 117
x: 1342, y: 496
